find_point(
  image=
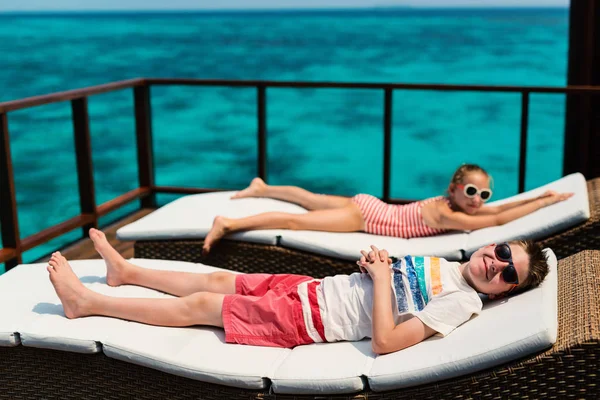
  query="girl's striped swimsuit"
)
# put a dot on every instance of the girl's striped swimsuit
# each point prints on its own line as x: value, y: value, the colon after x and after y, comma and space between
x: 404, y: 220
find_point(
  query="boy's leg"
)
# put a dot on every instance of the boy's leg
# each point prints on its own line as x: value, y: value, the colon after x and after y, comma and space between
x: 121, y: 272
x: 346, y: 219
x: 292, y: 194
x: 78, y: 301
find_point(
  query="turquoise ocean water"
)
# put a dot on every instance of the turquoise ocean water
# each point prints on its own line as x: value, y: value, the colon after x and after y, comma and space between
x: 325, y: 140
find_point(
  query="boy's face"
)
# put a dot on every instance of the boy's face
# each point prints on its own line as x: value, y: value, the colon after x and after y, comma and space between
x: 484, y: 270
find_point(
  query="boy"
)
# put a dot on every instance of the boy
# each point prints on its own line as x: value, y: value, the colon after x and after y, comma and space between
x: 396, y: 305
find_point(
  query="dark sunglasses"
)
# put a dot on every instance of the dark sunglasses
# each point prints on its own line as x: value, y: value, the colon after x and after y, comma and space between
x: 503, y: 253
x: 471, y: 191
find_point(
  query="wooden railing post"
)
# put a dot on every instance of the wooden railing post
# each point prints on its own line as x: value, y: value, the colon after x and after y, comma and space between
x: 262, y: 131
x: 145, y: 153
x: 85, y: 168
x: 387, y: 144
x: 581, y: 149
x: 8, y: 201
x: 523, y: 145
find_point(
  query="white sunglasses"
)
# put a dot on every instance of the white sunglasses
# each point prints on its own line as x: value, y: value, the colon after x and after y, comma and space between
x: 471, y: 191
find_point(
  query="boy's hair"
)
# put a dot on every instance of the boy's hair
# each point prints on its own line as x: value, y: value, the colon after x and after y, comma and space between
x: 538, y: 264
x: 465, y: 169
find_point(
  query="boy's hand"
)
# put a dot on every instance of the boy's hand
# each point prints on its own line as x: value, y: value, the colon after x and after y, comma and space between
x: 375, y: 263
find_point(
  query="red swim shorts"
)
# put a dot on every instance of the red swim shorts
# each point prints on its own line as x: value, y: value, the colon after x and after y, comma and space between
x: 265, y: 311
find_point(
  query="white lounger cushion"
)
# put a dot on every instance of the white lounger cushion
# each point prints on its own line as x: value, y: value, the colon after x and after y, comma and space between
x: 192, y: 216
x: 325, y: 368
x: 15, y: 303
x: 345, y: 245
x: 505, y: 330
x: 197, y: 353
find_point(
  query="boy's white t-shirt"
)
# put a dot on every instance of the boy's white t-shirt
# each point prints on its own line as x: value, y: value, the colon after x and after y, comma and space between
x: 429, y: 288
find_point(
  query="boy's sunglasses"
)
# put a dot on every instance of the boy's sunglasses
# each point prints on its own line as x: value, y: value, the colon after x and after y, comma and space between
x: 471, y: 191
x: 503, y: 253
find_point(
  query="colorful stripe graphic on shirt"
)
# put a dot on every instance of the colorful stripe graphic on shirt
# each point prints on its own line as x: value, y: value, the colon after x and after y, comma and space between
x: 414, y: 286
x: 420, y: 268
x: 436, y: 278
x: 416, y: 280
x: 401, y: 299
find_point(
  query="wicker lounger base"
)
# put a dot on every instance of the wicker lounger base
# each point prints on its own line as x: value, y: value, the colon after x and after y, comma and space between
x: 582, y: 237
x: 246, y: 257
x: 568, y: 370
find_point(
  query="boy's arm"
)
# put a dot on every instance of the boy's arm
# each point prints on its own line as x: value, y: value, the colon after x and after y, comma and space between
x: 388, y: 337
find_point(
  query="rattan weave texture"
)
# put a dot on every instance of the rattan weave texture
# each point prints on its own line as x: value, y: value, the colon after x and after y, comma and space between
x: 568, y: 370
x: 246, y: 257
x: 582, y: 237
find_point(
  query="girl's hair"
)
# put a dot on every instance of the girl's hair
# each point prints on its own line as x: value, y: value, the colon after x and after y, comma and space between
x: 465, y: 169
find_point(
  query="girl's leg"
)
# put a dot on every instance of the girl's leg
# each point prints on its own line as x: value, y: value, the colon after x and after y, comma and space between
x: 346, y: 219
x: 292, y: 194
x: 121, y: 272
x: 78, y: 301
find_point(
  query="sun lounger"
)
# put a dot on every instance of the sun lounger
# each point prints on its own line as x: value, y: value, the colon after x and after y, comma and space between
x: 175, y: 231
x: 509, y: 351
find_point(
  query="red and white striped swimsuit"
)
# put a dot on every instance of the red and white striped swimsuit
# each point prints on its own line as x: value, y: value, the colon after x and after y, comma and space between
x: 399, y: 220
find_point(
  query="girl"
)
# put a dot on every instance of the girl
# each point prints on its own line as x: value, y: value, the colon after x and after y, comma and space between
x: 462, y: 209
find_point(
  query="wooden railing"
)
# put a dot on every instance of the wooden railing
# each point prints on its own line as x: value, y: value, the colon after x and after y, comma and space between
x: 14, y: 246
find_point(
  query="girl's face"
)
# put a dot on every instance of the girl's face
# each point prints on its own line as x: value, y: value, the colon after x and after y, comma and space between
x: 469, y: 205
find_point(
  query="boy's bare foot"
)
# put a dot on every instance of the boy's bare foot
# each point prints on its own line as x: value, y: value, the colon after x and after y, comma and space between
x: 116, y: 266
x: 71, y: 292
x: 221, y: 226
x: 256, y: 189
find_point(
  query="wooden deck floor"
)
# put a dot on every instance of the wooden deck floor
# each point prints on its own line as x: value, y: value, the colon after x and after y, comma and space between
x: 84, y: 249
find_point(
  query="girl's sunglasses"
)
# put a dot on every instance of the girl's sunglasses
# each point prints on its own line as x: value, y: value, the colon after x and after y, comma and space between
x: 471, y: 191
x: 503, y: 253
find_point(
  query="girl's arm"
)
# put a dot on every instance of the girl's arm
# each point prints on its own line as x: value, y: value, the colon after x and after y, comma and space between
x: 485, y: 210
x: 388, y: 337
x: 461, y: 221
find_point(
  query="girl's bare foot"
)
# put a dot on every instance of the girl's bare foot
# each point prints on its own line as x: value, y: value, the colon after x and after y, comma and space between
x: 74, y: 297
x: 256, y: 189
x: 116, y: 266
x: 221, y: 226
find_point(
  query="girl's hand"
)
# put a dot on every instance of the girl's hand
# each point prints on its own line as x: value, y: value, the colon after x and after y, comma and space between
x: 547, y: 193
x: 551, y: 197
x: 375, y: 263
